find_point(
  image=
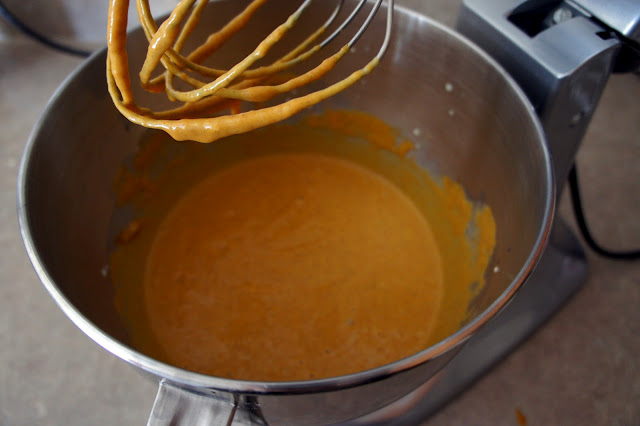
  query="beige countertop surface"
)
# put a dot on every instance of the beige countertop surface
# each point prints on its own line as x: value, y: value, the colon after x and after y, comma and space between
x: 580, y: 368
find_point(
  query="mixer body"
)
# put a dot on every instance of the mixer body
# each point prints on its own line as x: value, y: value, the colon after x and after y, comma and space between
x: 561, y: 54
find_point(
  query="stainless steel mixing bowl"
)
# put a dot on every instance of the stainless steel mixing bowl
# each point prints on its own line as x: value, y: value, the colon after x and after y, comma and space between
x: 468, y: 118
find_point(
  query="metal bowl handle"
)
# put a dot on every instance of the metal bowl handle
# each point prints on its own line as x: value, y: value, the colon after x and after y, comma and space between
x: 175, y: 406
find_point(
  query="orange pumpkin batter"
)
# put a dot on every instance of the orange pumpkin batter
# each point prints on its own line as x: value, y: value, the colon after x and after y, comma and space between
x: 296, y: 253
x: 290, y: 266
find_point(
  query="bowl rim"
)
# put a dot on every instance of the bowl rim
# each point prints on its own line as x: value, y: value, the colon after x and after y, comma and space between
x: 199, y: 381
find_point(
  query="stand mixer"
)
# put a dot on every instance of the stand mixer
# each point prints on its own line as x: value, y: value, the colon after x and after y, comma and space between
x: 561, y: 53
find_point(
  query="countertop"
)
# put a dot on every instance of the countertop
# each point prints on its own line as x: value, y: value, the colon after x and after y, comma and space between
x: 581, y: 367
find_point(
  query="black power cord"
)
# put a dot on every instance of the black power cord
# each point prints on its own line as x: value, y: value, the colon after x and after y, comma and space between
x: 578, y: 210
x: 11, y: 18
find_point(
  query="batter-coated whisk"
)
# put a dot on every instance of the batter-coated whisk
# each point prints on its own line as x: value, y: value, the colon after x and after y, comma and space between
x: 215, y: 90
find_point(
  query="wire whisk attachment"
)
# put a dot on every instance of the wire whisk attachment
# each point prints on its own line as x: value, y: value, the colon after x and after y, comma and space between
x: 212, y: 90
